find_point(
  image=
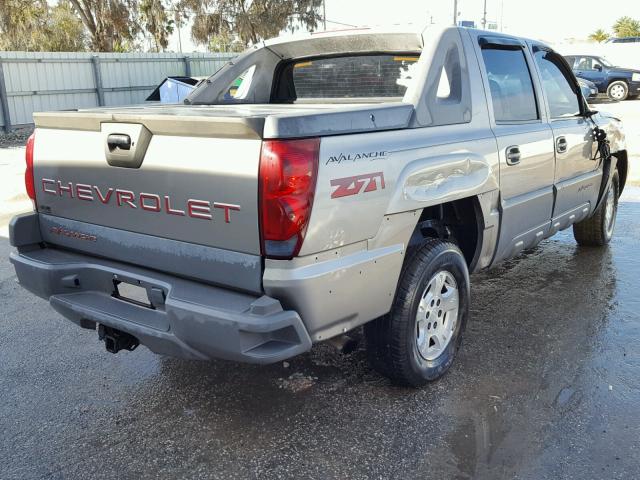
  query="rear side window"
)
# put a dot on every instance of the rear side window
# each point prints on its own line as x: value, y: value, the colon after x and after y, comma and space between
x: 384, y: 77
x: 587, y: 63
x: 239, y: 88
x: 557, y: 85
x: 510, y: 83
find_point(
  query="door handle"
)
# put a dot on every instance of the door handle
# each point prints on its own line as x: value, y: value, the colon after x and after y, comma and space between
x: 119, y: 140
x: 561, y: 145
x: 513, y: 155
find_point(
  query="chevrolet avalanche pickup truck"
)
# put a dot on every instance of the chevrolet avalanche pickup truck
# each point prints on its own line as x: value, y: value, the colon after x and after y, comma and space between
x: 313, y: 185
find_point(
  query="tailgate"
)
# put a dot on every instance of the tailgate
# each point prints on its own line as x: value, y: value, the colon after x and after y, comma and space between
x: 196, y: 189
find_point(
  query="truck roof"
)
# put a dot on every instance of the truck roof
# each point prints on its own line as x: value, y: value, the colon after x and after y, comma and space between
x: 382, y: 38
x: 361, y: 39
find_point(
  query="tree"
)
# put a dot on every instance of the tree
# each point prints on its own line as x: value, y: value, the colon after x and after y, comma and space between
x: 626, y: 27
x: 157, y: 22
x: 34, y: 26
x: 225, y: 43
x: 599, y: 35
x: 248, y: 22
x: 21, y: 23
x: 112, y: 24
x: 65, y: 32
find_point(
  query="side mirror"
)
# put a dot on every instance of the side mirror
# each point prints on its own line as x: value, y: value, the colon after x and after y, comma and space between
x: 598, y: 67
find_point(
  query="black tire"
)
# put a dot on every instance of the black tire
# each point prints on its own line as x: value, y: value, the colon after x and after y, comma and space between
x: 618, y: 85
x: 391, y: 340
x: 596, y: 231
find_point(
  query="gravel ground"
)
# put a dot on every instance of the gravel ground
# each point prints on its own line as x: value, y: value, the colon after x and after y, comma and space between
x: 15, y: 138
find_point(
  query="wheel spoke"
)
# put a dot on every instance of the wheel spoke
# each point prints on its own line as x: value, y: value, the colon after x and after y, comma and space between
x: 436, y: 342
x: 439, y: 283
x: 450, y: 300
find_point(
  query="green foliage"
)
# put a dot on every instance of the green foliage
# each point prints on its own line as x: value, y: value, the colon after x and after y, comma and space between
x: 21, y: 22
x: 248, y: 22
x: 35, y: 26
x: 599, y: 35
x: 66, y: 32
x: 626, y: 27
x: 124, y: 25
x: 225, y: 43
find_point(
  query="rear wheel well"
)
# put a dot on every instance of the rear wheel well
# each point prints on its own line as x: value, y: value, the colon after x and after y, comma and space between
x: 460, y: 221
x: 613, y: 80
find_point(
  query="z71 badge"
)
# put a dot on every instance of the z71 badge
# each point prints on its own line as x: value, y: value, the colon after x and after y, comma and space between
x: 353, y: 185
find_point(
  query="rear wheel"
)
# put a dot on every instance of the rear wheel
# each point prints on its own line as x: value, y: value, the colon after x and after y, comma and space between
x: 416, y: 342
x: 597, y: 230
x: 618, y: 90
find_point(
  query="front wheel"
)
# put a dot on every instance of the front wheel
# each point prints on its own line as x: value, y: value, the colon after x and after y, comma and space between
x: 417, y: 340
x: 618, y: 91
x: 597, y: 230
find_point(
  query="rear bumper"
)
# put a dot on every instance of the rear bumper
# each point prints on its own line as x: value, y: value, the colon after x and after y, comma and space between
x: 190, y: 319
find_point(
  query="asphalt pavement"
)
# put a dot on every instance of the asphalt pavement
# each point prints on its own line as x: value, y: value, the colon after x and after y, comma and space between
x: 546, y: 386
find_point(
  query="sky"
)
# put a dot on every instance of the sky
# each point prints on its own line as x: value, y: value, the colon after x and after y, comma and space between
x: 550, y: 20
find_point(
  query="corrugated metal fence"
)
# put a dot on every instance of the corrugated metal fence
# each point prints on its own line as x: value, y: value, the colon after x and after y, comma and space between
x: 35, y: 82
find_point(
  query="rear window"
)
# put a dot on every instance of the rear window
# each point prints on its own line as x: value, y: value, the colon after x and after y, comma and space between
x: 348, y: 77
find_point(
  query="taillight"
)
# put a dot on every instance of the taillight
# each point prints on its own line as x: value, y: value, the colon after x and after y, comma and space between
x: 28, y: 173
x: 288, y: 170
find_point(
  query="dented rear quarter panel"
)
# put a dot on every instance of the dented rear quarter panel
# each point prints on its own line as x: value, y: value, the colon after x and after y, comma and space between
x: 394, y: 172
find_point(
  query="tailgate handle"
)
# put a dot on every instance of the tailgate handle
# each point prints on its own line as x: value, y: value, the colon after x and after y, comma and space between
x: 119, y: 140
x: 125, y: 144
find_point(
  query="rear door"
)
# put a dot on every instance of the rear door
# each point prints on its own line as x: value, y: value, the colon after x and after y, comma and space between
x: 525, y: 145
x: 591, y: 69
x: 577, y: 173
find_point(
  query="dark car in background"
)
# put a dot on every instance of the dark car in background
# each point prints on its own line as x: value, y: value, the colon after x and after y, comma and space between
x: 589, y: 89
x: 617, y: 82
x: 623, y: 40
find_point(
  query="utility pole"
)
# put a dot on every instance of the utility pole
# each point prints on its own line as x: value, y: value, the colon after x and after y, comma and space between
x: 455, y: 12
x: 178, y: 25
x: 484, y: 16
x: 324, y: 14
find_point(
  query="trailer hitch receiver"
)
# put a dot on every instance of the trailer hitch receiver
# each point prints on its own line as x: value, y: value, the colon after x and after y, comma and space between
x: 116, y: 340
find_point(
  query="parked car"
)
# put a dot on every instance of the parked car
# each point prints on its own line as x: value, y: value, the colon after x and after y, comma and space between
x: 623, y: 40
x: 174, y: 89
x: 589, y: 89
x: 617, y: 82
x: 311, y: 200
